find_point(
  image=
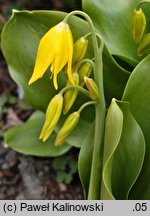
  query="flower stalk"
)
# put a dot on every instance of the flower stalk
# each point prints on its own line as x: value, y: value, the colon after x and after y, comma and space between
x: 142, y: 2
x: 96, y: 169
x: 73, y: 87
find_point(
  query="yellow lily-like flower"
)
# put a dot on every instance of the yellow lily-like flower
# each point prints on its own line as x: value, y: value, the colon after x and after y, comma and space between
x: 53, y: 114
x: 68, y: 126
x: 55, y: 49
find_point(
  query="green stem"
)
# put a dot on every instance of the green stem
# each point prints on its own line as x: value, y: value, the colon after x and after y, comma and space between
x: 73, y: 87
x: 96, y: 168
x: 85, y: 105
x: 84, y: 61
x: 142, y: 2
x: 87, y: 35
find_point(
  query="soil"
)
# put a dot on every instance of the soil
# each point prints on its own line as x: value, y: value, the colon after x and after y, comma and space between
x: 21, y: 176
x: 24, y: 177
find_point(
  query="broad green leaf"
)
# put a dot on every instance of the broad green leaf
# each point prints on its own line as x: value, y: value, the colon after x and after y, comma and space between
x: 25, y: 139
x: 115, y: 77
x: 85, y: 160
x: 113, y: 130
x: 113, y: 21
x: 1, y: 23
x: 124, y: 152
x: 129, y: 155
x: 137, y: 92
x: 20, y: 39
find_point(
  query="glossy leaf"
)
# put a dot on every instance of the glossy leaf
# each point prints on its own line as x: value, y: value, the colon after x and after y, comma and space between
x: 25, y: 139
x: 113, y: 20
x: 85, y: 160
x: 124, y: 152
x: 115, y: 77
x: 113, y: 130
x: 137, y: 92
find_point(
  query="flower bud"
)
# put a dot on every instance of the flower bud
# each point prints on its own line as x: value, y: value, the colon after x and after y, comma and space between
x: 53, y: 113
x: 144, y: 45
x: 70, y: 95
x: 138, y: 24
x: 68, y: 126
x: 84, y: 70
x: 80, y: 49
x: 93, y: 89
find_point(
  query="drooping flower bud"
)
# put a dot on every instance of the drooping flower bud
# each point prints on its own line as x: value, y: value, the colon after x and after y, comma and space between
x: 93, y: 89
x: 138, y: 24
x: 80, y: 49
x: 84, y: 70
x: 68, y: 126
x: 70, y: 95
x: 53, y: 113
x: 144, y: 45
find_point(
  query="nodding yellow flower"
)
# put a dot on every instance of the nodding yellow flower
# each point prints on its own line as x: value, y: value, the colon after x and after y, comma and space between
x: 80, y: 49
x: 68, y: 126
x: 84, y: 70
x: 55, y: 49
x: 53, y: 113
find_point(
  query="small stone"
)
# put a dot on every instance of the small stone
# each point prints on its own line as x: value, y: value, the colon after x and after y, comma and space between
x: 62, y: 187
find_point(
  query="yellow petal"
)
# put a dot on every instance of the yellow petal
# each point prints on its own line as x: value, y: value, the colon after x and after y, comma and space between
x: 46, y: 52
x: 68, y: 126
x: 52, y: 116
x: 55, y: 49
x: 60, y: 60
x: 50, y: 113
x: 70, y: 54
x: 79, y: 49
x: 55, y: 81
x: 62, y: 57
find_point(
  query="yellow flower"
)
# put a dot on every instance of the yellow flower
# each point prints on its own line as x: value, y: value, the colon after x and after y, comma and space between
x: 84, y: 70
x: 55, y: 49
x: 138, y: 24
x: 68, y: 126
x: 53, y: 114
x: 80, y: 49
